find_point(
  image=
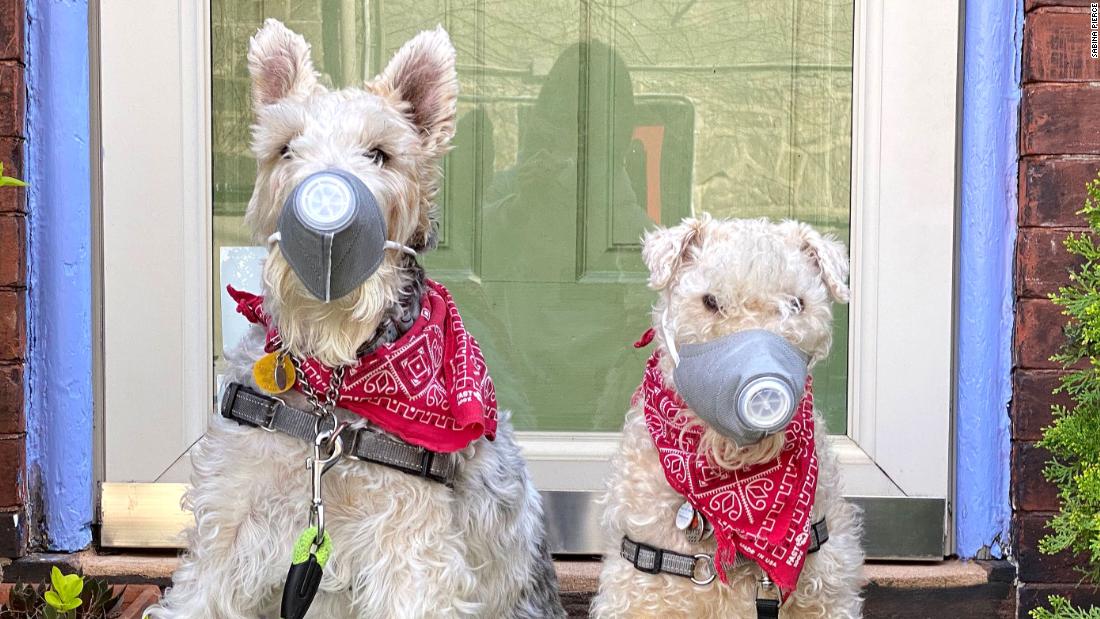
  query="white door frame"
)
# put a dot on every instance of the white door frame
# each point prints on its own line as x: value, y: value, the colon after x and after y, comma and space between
x: 156, y: 272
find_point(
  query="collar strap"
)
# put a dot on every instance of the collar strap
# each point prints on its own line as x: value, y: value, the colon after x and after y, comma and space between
x: 250, y: 407
x: 653, y: 560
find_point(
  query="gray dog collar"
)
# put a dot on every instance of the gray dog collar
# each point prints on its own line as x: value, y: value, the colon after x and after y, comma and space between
x: 250, y: 407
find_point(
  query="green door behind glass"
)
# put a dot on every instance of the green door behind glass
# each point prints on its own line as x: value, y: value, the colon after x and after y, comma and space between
x: 580, y: 125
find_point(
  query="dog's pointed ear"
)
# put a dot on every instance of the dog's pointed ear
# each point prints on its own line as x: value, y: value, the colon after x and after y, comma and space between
x: 422, y: 75
x: 666, y: 250
x: 828, y: 254
x: 279, y: 63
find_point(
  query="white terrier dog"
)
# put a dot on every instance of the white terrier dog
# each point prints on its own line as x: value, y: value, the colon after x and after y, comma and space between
x: 461, y: 532
x: 733, y: 294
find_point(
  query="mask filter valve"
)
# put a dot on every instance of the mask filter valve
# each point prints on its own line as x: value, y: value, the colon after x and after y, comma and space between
x: 766, y: 404
x: 325, y: 202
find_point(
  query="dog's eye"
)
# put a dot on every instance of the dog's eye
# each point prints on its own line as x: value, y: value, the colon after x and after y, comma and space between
x: 796, y: 305
x: 285, y: 153
x: 377, y: 156
x: 710, y: 302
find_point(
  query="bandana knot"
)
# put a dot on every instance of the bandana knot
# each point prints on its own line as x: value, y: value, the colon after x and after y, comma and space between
x: 761, y: 511
x: 430, y: 387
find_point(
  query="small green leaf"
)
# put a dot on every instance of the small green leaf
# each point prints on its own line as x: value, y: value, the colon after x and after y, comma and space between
x: 8, y: 181
x: 58, y: 603
x: 66, y: 589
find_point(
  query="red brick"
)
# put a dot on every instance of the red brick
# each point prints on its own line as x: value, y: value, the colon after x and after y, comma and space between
x: 1035, y: 567
x: 12, y: 100
x: 1034, y: 4
x: 13, y: 250
x: 1035, y: 596
x: 1042, y: 262
x: 1039, y: 333
x: 1059, y: 119
x: 12, y: 464
x: 11, y: 399
x: 1057, y: 46
x: 1052, y: 190
x: 13, y: 325
x: 12, y: 199
x: 12, y: 19
x: 1030, y: 490
x: 1032, y: 398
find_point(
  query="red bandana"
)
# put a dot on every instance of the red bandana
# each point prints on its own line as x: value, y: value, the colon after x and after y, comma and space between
x: 761, y: 511
x: 430, y: 387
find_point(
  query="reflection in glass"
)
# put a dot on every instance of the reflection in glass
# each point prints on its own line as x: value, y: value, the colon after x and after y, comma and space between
x: 580, y: 124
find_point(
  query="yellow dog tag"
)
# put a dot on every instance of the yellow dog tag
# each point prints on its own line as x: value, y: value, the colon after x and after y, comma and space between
x: 274, y: 372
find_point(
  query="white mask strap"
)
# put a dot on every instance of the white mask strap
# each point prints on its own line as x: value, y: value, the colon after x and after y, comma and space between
x: 670, y: 341
x: 394, y: 245
x: 405, y: 249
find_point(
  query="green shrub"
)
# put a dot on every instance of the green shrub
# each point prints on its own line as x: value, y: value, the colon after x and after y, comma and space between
x: 1060, y: 609
x: 1074, y: 438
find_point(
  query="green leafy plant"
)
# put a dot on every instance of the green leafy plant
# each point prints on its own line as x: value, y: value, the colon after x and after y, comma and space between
x: 64, y: 595
x: 1060, y: 608
x: 67, y: 597
x: 1074, y: 438
x: 8, y: 181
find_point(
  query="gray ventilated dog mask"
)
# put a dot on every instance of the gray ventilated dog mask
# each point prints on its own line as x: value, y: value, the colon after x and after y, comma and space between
x: 746, y: 385
x: 333, y: 234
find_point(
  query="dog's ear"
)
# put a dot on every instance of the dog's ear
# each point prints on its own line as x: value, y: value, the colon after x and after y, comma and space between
x: 828, y: 254
x: 422, y: 75
x: 666, y: 250
x: 279, y: 63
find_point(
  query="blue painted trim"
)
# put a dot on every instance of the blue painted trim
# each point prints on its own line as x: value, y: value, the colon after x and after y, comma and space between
x: 987, y: 236
x: 59, y: 299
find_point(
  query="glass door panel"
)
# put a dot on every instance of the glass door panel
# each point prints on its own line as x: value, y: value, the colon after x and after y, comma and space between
x: 580, y: 125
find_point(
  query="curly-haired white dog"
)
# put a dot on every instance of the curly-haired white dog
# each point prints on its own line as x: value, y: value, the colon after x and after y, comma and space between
x: 462, y: 538
x: 723, y: 281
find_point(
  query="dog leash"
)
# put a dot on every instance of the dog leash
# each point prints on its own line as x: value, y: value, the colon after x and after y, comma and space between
x: 700, y: 568
x: 312, y: 550
x: 314, y: 545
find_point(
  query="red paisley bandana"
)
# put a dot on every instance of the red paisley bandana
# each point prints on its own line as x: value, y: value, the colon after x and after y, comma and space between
x: 430, y: 387
x: 760, y: 511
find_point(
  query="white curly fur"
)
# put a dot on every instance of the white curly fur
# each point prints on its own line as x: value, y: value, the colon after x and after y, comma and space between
x: 758, y: 272
x: 403, y: 546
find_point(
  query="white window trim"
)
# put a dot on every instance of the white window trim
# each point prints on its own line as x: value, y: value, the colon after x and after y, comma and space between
x: 156, y: 204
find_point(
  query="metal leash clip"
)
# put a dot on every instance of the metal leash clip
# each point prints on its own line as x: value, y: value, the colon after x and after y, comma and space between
x: 768, y: 608
x: 314, y: 545
x: 318, y: 466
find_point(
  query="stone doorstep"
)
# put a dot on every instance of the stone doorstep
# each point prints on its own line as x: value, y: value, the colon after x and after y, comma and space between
x: 892, y: 589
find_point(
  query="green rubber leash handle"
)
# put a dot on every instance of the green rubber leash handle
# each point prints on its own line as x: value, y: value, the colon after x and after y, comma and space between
x: 304, y: 577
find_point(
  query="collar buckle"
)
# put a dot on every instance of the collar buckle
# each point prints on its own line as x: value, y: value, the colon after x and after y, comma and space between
x: 269, y: 420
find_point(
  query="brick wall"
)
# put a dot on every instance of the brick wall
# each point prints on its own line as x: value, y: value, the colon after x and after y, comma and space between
x: 1059, y: 153
x: 12, y: 279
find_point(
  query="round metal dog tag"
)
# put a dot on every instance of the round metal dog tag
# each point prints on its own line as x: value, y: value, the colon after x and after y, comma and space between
x: 274, y: 373
x: 684, y: 516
